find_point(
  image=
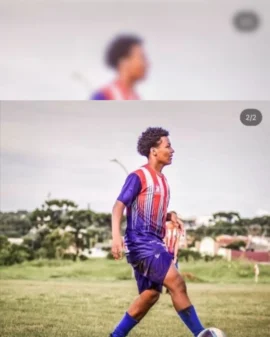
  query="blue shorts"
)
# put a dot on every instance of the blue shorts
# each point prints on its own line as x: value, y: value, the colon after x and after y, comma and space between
x: 150, y: 272
x: 172, y: 256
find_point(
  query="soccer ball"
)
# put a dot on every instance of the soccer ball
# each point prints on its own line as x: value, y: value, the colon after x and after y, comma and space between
x: 211, y: 332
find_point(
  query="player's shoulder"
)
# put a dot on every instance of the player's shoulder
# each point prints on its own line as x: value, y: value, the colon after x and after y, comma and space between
x: 141, y: 176
x: 102, y: 94
x: 98, y: 96
x: 140, y: 172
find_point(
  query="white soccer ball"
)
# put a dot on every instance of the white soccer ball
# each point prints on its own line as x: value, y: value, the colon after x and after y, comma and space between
x: 212, y: 332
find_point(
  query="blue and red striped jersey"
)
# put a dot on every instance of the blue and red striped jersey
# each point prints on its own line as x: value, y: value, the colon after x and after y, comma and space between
x: 146, y: 196
x: 114, y: 91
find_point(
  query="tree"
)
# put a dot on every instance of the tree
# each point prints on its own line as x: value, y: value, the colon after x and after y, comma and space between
x: 79, y: 221
x: 56, y: 243
x: 237, y: 245
x: 226, y: 216
x: 11, y: 253
x: 14, y: 224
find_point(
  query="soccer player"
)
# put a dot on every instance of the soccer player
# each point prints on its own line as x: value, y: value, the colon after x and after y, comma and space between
x: 145, y: 195
x: 126, y: 56
x: 172, y: 238
x: 256, y: 272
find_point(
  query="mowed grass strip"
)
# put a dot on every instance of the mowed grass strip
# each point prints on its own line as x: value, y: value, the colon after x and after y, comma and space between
x: 110, y: 270
x: 79, y: 309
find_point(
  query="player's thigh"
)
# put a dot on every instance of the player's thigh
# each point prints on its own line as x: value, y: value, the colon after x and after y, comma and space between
x: 173, y: 279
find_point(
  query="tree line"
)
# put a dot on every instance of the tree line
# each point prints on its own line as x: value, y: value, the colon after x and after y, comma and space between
x: 49, y: 231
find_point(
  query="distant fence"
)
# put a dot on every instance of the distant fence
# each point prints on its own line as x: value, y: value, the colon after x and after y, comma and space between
x: 252, y: 256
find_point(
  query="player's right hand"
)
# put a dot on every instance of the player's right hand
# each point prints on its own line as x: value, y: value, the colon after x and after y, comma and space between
x: 117, y: 247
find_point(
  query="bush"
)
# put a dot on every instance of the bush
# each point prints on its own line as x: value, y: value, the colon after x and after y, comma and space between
x: 110, y: 256
x: 14, y: 254
x: 83, y: 257
x: 188, y: 254
x: 41, y: 253
x: 4, y: 256
x: 4, y: 243
x: 69, y: 256
x: 11, y: 253
x: 236, y: 245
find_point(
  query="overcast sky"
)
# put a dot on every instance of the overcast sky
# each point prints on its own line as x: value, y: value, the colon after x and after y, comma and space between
x: 64, y: 148
x: 194, y: 50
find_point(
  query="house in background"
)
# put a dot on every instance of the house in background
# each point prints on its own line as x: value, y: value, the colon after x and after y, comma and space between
x: 15, y: 241
x: 225, y: 240
x: 212, y: 247
x: 258, y: 243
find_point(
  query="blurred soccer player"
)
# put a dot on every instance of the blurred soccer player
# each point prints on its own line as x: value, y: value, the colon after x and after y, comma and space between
x: 256, y: 272
x: 172, y: 238
x: 146, y: 195
x: 126, y: 56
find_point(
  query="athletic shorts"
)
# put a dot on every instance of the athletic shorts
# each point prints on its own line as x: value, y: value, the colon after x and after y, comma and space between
x: 172, y: 256
x: 150, y: 272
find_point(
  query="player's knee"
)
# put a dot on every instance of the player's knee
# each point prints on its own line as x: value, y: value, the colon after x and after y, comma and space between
x: 179, y: 285
x: 153, y: 297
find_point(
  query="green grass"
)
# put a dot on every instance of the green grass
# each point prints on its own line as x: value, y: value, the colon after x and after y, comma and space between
x: 110, y: 270
x: 91, y: 309
x: 86, y: 299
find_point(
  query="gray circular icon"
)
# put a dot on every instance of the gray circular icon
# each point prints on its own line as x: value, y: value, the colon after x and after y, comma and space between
x: 251, y: 117
x: 246, y: 21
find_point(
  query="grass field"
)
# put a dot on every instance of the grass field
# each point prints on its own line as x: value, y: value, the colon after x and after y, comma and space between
x: 87, y: 299
x: 110, y: 270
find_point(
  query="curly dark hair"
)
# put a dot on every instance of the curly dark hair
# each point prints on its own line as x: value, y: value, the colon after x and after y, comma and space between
x: 150, y: 138
x: 119, y: 48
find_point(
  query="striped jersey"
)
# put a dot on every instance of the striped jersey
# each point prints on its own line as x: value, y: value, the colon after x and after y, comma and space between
x: 146, y: 196
x: 114, y: 91
x: 172, y: 235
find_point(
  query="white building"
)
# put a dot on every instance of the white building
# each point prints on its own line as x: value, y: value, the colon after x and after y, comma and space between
x: 15, y: 241
x: 208, y: 246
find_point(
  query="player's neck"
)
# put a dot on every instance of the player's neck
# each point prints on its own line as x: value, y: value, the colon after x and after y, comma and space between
x: 157, y: 167
x: 125, y: 81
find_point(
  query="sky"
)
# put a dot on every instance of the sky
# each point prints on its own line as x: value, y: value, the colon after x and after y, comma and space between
x: 53, y: 49
x: 65, y: 148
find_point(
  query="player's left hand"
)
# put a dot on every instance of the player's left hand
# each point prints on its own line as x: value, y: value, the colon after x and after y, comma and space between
x: 117, y: 247
x: 176, y: 220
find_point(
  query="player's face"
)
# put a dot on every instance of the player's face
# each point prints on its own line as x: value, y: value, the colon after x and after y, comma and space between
x: 137, y: 63
x: 164, y: 152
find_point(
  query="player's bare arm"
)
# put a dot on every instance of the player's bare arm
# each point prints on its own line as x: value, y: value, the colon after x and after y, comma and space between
x: 176, y: 249
x: 117, y: 241
x: 173, y: 217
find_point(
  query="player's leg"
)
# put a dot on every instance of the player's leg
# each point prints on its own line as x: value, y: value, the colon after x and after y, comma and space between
x: 172, y: 256
x: 149, y: 295
x: 140, y: 307
x: 178, y: 291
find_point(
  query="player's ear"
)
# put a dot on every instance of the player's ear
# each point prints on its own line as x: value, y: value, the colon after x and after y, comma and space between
x: 153, y: 151
x: 123, y: 62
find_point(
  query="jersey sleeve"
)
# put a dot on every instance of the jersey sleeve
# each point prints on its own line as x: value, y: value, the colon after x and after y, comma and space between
x: 98, y: 96
x: 130, y: 190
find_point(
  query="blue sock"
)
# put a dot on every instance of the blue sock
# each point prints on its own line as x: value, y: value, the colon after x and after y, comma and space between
x: 125, y: 325
x: 190, y: 318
